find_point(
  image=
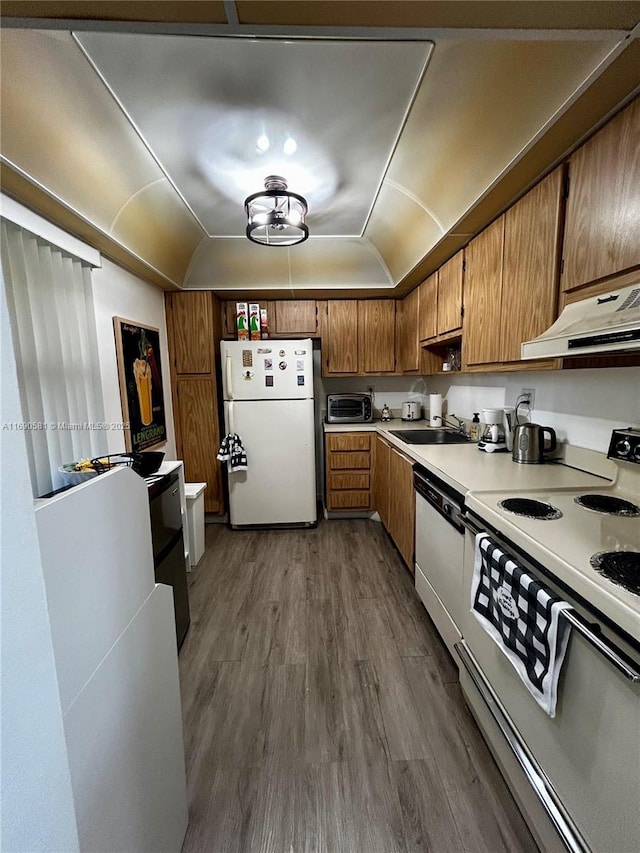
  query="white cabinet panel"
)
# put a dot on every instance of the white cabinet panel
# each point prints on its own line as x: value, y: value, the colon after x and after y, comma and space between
x: 124, y: 737
x: 97, y: 560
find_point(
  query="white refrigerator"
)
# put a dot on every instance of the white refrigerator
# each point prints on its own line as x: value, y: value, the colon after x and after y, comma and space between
x: 268, y: 403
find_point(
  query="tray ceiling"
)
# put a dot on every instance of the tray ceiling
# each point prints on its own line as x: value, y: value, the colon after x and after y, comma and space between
x: 155, y: 139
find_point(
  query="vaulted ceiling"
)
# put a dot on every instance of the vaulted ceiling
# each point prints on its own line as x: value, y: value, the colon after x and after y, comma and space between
x: 408, y: 126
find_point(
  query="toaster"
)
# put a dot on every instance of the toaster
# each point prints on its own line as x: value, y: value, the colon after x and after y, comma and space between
x: 349, y: 409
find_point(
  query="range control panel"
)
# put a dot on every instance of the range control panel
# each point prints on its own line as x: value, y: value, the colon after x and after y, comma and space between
x: 625, y: 445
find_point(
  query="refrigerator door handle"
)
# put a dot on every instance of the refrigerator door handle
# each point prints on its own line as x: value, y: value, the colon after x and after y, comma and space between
x: 228, y: 375
x: 231, y: 424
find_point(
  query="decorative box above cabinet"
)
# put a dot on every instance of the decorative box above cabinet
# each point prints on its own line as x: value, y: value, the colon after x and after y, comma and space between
x: 287, y: 318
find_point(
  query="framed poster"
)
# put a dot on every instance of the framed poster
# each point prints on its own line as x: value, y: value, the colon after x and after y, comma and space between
x: 140, y: 375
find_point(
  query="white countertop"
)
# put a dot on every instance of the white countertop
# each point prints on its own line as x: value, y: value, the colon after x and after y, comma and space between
x: 466, y: 468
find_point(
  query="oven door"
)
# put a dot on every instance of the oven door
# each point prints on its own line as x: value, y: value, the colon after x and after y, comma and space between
x: 584, y: 762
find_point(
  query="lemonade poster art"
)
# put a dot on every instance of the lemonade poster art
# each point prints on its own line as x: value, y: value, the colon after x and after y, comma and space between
x: 138, y: 349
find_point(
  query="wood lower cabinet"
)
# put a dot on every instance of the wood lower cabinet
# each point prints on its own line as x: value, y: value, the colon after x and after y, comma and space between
x: 602, y: 225
x: 348, y: 470
x: 193, y: 331
x: 402, y: 505
x: 380, y: 479
x: 394, y: 497
x: 194, y: 413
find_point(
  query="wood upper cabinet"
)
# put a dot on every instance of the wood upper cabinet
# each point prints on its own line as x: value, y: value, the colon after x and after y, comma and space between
x: 407, y: 340
x: 511, y: 277
x: 440, y: 310
x: 294, y: 317
x: 482, y: 295
x: 449, y: 299
x: 358, y: 337
x: 428, y: 308
x: 602, y: 227
x: 192, y: 323
x: 530, y: 265
x: 193, y: 330
x: 376, y: 335
x: 341, y: 336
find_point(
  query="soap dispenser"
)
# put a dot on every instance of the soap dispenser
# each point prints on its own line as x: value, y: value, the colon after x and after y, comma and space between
x: 475, y: 427
x: 385, y: 415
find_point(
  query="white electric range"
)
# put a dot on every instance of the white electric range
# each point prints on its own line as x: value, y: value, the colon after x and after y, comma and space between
x: 588, y: 538
x: 576, y: 776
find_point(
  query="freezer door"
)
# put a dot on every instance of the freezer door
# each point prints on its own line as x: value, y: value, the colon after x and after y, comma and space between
x: 279, y: 485
x: 267, y: 370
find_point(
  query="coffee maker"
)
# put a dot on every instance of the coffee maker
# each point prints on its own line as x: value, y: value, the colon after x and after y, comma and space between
x: 497, y: 435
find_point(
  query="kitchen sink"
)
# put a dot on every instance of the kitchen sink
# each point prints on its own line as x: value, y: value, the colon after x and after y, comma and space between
x: 429, y: 436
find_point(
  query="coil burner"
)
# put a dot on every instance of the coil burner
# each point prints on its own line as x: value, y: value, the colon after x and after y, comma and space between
x: 620, y: 567
x: 608, y: 505
x: 530, y: 508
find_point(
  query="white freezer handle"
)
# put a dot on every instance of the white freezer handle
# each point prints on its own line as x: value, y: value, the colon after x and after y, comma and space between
x: 228, y: 375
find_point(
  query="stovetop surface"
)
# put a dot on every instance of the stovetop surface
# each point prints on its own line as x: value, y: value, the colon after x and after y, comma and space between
x: 565, y: 545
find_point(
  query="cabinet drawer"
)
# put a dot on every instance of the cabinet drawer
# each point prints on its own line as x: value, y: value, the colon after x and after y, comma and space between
x: 349, y: 480
x: 338, y: 461
x: 349, y: 500
x: 349, y: 441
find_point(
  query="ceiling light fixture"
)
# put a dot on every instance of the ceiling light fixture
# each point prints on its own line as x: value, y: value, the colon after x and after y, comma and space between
x: 275, y: 217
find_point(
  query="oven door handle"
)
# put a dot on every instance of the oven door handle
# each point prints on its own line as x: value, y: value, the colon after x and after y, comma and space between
x: 606, y: 649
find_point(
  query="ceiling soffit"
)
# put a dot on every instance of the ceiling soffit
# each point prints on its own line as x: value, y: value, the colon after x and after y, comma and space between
x: 483, y: 107
x: 480, y: 107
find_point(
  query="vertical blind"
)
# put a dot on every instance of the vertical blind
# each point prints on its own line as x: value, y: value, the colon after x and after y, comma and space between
x: 50, y: 301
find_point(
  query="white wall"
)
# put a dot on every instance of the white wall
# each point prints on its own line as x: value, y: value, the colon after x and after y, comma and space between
x: 37, y: 803
x: 583, y: 406
x: 119, y: 293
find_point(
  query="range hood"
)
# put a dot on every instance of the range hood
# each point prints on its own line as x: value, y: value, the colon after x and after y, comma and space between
x: 600, y: 324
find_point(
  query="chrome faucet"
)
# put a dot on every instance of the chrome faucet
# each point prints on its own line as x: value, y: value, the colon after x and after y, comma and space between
x: 458, y: 426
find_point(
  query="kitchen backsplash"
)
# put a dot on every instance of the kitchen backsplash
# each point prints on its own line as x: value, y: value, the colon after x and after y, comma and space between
x: 583, y: 406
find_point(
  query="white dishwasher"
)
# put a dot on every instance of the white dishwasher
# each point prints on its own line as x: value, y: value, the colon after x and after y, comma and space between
x: 439, y: 553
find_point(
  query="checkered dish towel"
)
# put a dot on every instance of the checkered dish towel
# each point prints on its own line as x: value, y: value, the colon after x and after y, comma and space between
x: 522, y: 616
x: 233, y: 453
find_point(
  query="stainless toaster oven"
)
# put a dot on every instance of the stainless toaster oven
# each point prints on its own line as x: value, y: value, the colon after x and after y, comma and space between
x: 349, y: 409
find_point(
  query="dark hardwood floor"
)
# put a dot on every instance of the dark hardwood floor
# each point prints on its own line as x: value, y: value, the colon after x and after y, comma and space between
x: 322, y: 714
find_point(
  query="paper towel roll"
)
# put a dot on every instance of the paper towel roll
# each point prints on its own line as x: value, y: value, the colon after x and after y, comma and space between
x: 435, y: 410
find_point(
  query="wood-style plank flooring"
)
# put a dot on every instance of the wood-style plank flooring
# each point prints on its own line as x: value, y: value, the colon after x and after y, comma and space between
x: 322, y: 714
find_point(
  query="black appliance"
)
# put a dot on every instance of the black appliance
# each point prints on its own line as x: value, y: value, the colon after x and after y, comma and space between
x: 168, y: 544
